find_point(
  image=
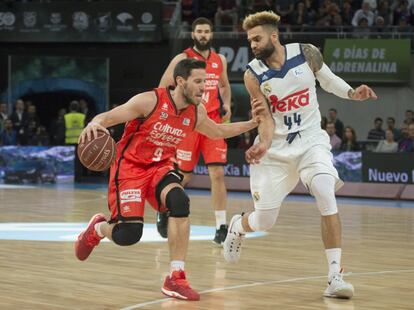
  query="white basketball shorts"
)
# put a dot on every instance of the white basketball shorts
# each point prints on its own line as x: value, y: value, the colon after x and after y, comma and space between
x: 279, y: 170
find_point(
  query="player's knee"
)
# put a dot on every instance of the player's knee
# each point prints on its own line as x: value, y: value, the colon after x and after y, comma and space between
x: 127, y: 233
x: 263, y: 219
x: 323, y: 189
x: 178, y: 203
x: 216, y: 173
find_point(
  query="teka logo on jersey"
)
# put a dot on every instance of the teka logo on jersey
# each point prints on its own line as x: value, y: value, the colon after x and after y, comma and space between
x: 291, y: 102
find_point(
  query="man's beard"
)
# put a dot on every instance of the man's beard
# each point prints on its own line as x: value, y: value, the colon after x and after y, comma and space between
x: 187, y: 97
x: 202, y: 46
x: 266, y: 52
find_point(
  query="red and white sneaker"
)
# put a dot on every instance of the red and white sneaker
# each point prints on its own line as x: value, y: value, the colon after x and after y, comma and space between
x: 89, y: 238
x: 177, y: 286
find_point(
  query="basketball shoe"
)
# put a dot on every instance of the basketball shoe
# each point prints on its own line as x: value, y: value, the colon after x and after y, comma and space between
x: 232, y: 244
x: 220, y: 235
x: 89, y: 238
x: 178, y: 287
x: 162, y: 224
x: 338, y: 288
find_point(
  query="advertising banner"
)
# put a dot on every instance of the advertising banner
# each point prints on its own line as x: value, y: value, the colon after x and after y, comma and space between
x: 369, y: 60
x: 348, y: 165
x: 388, y: 168
x: 37, y: 164
x: 81, y: 21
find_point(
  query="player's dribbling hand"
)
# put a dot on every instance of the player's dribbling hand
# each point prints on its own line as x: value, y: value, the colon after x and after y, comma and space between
x: 91, y: 131
x: 255, y: 153
x: 363, y: 92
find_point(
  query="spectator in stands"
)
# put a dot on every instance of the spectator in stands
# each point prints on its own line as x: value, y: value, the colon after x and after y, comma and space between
x: 380, y: 29
x: 19, y: 120
x: 41, y: 137
x: 74, y: 123
x: 189, y: 11
x: 339, y: 126
x: 363, y: 30
x: 32, y: 124
x: 9, y: 135
x: 284, y: 8
x: 86, y: 109
x: 384, y: 10
x: 388, y: 145
x: 260, y: 5
x: 208, y: 9
x: 391, y: 126
x: 402, y: 12
x: 347, y: 13
x: 57, y: 128
x: 3, y: 115
x: 324, y: 122
x: 334, y: 139
x: 349, y: 141
x: 372, y: 4
x: 226, y: 9
x: 409, y: 117
x: 300, y: 15
x: 364, y: 12
x: 312, y: 10
x: 407, y: 144
x: 377, y: 133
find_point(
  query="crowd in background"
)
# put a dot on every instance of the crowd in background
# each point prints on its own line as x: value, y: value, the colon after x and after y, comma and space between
x: 359, y: 16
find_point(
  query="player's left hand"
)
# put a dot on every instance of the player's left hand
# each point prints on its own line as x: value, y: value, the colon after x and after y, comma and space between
x: 226, y: 117
x: 255, y: 153
x: 258, y: 107
x: 363, y: 92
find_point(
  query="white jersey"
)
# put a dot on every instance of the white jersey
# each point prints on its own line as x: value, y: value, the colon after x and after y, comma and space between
x: 290, y: 91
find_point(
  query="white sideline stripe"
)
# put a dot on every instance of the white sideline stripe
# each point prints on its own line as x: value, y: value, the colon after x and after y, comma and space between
x: 220, y: 289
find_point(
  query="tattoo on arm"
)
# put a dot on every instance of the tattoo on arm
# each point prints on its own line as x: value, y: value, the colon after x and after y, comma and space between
x: 251, y: 75
x: 313, y: 56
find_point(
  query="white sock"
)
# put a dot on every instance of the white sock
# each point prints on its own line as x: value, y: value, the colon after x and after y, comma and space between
x: 334, y: 260
x: 238, y: 227
x: 98, y: 229
x: 220, y: 218
x: 176, y: 265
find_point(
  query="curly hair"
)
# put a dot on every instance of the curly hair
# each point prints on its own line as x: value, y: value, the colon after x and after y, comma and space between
x: 267, y: 18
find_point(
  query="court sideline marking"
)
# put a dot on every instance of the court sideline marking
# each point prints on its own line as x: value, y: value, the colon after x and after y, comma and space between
x: 235, y: 287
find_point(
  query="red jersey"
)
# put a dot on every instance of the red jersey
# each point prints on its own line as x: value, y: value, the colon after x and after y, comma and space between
x: 154, y: 139
x: 214, y: 69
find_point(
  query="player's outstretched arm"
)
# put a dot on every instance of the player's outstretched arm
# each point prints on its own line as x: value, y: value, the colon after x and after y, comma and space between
x: 331, y: 82
x: 225, y: 90
x: 215, y: 131
x: 167, y: 78
x: 260, y: 108
x: 138, y: 106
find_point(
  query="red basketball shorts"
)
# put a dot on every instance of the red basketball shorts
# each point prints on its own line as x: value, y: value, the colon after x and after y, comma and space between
x: 132, y: 186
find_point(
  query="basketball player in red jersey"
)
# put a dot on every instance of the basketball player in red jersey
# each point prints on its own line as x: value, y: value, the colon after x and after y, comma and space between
x: 157, y: 121
x: 217, y: 93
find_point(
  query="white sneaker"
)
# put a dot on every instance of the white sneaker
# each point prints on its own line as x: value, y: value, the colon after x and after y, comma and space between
x: 233, y: 242
x: 338, y: 288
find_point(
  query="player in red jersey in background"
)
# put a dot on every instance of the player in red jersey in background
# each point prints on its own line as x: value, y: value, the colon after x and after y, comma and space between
x: 157, y: 121
x: 217, y: 94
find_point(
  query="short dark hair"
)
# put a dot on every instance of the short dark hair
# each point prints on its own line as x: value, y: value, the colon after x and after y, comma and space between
x: 390, y: 118
x: 201, y: 21
x: 184, y: 67
x: 334, y: 110
x: 378, y: 119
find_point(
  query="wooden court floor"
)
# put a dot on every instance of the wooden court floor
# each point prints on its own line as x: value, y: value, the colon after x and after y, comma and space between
x: 284, y: 270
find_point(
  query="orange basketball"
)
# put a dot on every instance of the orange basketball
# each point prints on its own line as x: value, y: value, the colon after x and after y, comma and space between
x: 99, y: 153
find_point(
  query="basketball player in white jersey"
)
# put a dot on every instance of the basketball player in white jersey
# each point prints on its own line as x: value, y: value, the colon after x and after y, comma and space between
x: 291, y: 143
